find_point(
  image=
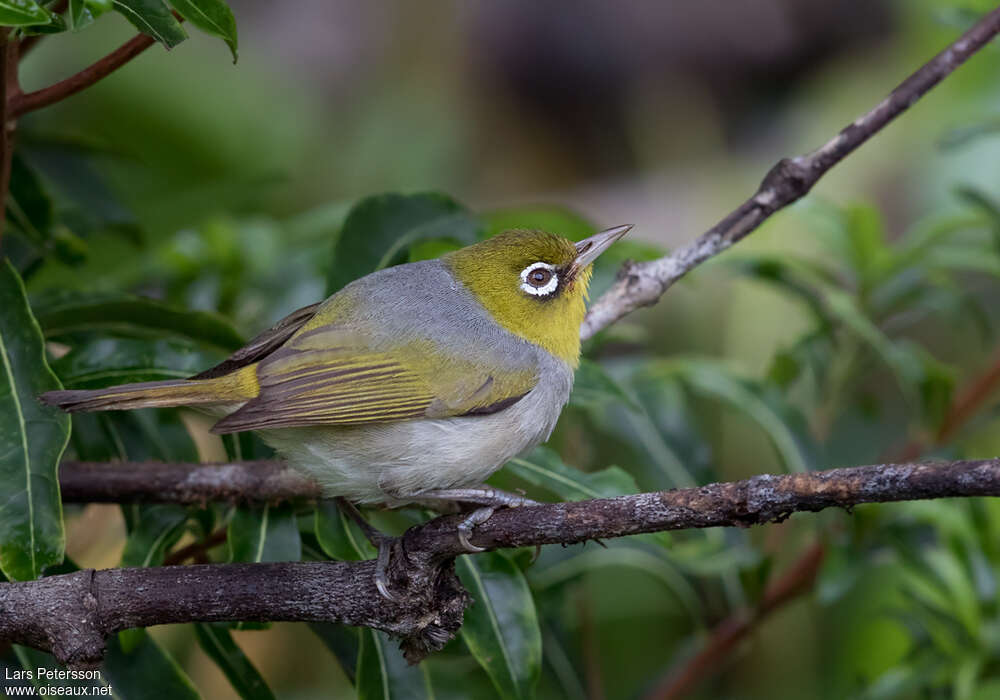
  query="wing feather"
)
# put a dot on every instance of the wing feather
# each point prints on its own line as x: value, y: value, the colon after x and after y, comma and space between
x: 322, y: 366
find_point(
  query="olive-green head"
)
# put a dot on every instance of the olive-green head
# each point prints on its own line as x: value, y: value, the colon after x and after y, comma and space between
x: 534, y: 283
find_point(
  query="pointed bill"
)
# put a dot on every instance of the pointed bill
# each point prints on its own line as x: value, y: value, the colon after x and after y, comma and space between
x: 588, y: 250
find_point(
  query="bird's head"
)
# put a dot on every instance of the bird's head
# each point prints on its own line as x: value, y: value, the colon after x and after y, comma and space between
x: 534, y: 283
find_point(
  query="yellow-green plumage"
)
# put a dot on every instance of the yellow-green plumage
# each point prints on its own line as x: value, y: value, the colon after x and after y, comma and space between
x: 424, y: 376
x: 487, y: 268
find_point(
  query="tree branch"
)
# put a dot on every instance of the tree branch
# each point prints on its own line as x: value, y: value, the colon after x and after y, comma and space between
x: 642, y: 284
x: 31, y: 101
x: 264, y: 481
x: 71, y: 615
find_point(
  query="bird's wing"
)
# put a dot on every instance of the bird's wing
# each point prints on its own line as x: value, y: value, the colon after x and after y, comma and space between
x: 330, y: 374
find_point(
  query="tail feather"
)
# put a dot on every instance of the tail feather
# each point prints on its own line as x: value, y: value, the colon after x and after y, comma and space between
x: 239, y: 386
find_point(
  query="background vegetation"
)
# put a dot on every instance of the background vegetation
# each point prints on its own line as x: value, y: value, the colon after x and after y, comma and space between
x: 859, y: 326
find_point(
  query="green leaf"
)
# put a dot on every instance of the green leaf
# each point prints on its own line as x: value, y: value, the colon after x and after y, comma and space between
x: 217, y: 642
x: 786, y: 427
x: 905, y: 364
x: 798, y: 277
x: 543, y: 467
x: 338, y: 536
x: 211, y: 16
x: 61, y: 314
x: 343, y: 642
x: 153, y: 529
x: 79, y: 15
x: 105, y: 362
x: 501, y: 628
x: 154, y: 18
x: 82, y: 13
x: 383, y: 673
x: 32, y: 440
x: 379, y: 230
x: 267, y: 533
x: 29, y: 205
x: 22, y: 13
x: 570, y: 565
x: 146, y: 672
x: 593, y: 386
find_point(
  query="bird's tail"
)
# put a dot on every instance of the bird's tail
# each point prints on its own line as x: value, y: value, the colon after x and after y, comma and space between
x: 230, y: 388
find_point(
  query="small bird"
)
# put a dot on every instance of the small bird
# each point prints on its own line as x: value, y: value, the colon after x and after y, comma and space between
x: 412, y: 383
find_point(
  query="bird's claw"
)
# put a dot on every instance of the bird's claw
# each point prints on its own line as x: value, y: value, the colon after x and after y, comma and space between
x: 382, y: 570
x: 465, y: 528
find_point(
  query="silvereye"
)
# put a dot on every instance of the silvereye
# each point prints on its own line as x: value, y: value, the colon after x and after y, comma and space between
x: 413, y: 383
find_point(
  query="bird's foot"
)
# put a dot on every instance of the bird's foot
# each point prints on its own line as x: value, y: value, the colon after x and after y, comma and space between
x: 487, y: 498
x: 378, y: 539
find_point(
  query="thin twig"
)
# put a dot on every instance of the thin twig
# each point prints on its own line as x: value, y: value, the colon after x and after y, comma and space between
x: 31, y: 101
x: 70, y: 615
x: 197, y: 549
x: 642, y: 284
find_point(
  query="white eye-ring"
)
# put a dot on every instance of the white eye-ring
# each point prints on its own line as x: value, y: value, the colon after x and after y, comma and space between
x: 539, y: 279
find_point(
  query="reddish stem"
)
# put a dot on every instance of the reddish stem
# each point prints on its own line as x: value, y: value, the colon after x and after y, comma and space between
x: 796, y: 581
x: 88, y: 76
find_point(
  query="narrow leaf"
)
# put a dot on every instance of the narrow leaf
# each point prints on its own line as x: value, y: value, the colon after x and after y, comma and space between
x: 146, y: 672
x: 593, y: 386
x: 268, y: 533
x: 212, y: 17
x: 784, y: 425
x: 501, y: 628
x: 32, y: 440
x: 340, y: 538
x: 217, y: 642
x: 152, y: 17
x: 383, y: 673
x: 153, y: 528
x: 543, y: 467
x: 343, y: 642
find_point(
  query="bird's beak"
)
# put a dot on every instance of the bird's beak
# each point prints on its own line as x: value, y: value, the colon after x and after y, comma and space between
x: 589, y: 249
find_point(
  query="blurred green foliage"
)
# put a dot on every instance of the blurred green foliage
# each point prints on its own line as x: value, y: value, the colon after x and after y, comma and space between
x: 848, y: 334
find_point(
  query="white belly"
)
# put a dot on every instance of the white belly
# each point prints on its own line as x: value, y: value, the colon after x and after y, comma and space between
x: 397, y: 461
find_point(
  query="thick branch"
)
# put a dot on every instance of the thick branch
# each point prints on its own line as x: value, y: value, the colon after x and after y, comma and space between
x: 72, y: 614
x: 642, y: 284
x: 84, y: 79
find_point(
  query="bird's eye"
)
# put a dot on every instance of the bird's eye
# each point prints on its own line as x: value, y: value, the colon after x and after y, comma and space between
x: 539, y: 279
